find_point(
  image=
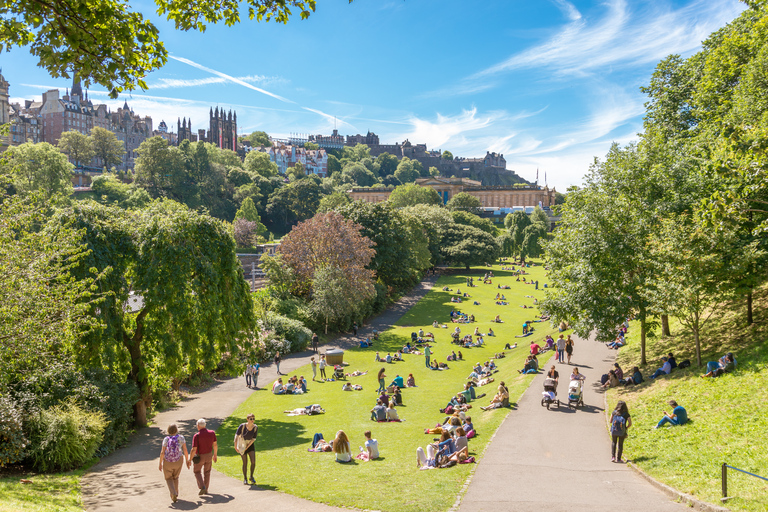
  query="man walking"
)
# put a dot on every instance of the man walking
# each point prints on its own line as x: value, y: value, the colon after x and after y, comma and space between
x: 427, y: 353
x: 561, y: 349
x: 315, y: 341
x: 204, y: 450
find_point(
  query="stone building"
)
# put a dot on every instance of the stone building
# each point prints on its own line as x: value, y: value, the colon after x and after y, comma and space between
x: 314, y: 161
x: 222, y: 130
x: 490, y: 197
x: 162, y: 131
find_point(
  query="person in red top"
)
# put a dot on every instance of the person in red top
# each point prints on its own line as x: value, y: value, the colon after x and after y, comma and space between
x: 535, y: 348
x: 203, y: 444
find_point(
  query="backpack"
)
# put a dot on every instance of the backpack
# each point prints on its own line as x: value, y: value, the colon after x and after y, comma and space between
x: 684, y: 364
x: 173, y: 449
x: 618, y: 426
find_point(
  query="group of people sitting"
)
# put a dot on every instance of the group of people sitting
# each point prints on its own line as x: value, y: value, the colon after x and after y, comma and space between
x: 451, y: 448
x: 389, y: 357
x: 340, y: 446
x: 381, y: 412
x: 467, y: 341
x: 294, y: 386
x: 725, y: 364
x: 531, y: 364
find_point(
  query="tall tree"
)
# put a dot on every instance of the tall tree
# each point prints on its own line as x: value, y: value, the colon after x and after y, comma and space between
x: 257, y: 162
x: 387, y: 164
x: 464, y: 202
x: 77, y: 146
x: 405, y: 171
x: 468, y: 246
x: 411, y: 194
x: 259, y: 139
x: 37, y: 168
x: 106, y: 147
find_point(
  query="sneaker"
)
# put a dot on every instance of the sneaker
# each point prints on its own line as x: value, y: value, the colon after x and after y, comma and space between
x: 174, y: 498
x: 253, y: 482
x: 202, y: 491
x: 245, y: 482
x: 613, y: 459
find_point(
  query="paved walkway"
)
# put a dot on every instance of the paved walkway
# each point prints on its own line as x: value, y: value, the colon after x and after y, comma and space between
x: 538, y: 459
x: 559, y: 460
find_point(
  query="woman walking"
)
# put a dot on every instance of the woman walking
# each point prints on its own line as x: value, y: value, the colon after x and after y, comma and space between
x: 322, y: 367
x: 277, y: 361
x: 620, y: 423
x: 569, y: 348
x: 314, y: 368
x: 244, y: 439
x: 382, y: 385
x: 173, y: 455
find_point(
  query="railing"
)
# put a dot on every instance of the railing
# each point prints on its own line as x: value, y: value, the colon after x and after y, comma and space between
x: 725, y: 479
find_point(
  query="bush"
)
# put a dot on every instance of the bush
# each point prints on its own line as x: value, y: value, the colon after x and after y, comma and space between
x: 12, y: 438
x: 64, y: 437
x: 290, y: 329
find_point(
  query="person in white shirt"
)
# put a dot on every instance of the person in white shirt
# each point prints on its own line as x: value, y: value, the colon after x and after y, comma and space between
x: 371, y: 446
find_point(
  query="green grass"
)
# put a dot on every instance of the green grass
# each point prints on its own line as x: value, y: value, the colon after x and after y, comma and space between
x: 392, y: 483
x: 58, y: 492
x: 729, y: 415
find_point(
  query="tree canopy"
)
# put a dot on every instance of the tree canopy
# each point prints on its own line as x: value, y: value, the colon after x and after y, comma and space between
x: 411, y: 194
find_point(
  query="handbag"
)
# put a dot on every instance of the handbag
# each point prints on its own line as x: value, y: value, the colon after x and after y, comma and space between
x: 241, y: 445
x: 196, y: 459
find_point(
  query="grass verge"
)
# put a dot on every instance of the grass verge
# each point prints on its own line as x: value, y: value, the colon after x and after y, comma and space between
x: 729, y: 415
x: 392, y: 483
x: 59, y: 492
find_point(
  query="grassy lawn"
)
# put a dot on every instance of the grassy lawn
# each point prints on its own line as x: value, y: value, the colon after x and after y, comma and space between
x: 392, y: 483
x: 729, y: 415
x: 59, y: 492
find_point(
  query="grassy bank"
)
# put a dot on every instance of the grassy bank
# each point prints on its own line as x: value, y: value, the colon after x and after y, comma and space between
x: 393, y: 482
x: 58, y: 492
x: 729, y: 415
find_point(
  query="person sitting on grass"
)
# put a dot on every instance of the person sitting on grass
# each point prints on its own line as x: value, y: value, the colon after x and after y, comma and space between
x: 278, y: 388
x: 664, y: 370
x: 398, y: 381
x: 411, y: 382
x: 611, y: 380
x: 490, y: 332
x: 725, y: 364
x: 379, y: 412
x: 397, y: 396
x: 460, y: 437
x: 388, y: 359
x: 341, y: 447
x: 371, y: 448
x: 499, y: 398
x: 392, y: 412
x: 461, y: 357
x: 679, y: 416
x: 617, y: 344
x: 347, y: 386
x: 449, y: 426
x: 498, y: 319
x: 468, y: 427
x: 377, y: 359
x: 635, y: 379
x: 531, y: 365
x: 384, y: 397
x: 510, y: 347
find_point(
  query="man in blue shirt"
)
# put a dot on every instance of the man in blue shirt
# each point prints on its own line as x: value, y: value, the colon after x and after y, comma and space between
x: 678, y: 417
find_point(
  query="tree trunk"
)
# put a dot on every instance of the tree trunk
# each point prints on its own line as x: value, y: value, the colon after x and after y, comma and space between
x: 138, y: 372
x: 643, y: 331
x: 750, y: 320
x: 665, y: 325
x: 697, y: 341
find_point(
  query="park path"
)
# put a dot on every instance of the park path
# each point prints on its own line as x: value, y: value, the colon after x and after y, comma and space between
x: 128, y: 480
x: 558, y: 460
x: 538, y: 459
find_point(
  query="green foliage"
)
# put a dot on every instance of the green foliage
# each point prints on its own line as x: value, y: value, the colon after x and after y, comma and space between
x: 406, y: 172
x: 289, y: 329
x: 333, y: 201
x: 77, y: 146
x: 259, y: 163
x: 358, y: 174
x: 109, y: 189
x: 464, y: 202
x: 433, y: 222
x: 106, y: 147
x: 468, y: 246
x: 293, y: 203
x: 12, y: 438
x: 259, y: 139
x: 470, y: 219
x: 64, y: 437
x: 387, y: 164
x: 447, y: 155
x: 37, y: 168
x: 411, y: 194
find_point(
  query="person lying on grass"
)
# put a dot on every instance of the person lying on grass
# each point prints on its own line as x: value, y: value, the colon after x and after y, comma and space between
x: 309, y: 410
x: 725, y: 364
x: 449, y: 426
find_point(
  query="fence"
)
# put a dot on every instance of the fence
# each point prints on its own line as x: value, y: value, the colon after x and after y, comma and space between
x: 725, y: 479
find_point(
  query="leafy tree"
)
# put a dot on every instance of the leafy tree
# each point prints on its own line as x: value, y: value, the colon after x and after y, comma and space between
x: 423, y: 173
x: 108, y: 189
x: 160, y: 171
x: 249, y: 212
x: 470, y: 219
x: 260, y: 139
x: 186, y: 325
x: 405, y: 171
x: 259, y: 163
x: 334, y: 166
x: 37, y: 168
x: 238, y: 177
x: 293, y: 203
x: 77, y: 146
x: 111, y: 45
x: 468, y: 246
x: 334, y: 297
x: 434, y: 171
x: 434, y: 221
x: 395, y: 262
x: 296, y: 172
x: 108, y: 149
x: 464, y: 202
x: 391, y: 181
x: 447, y: 155
x: 244, y: 232
x: 411, y: 194
x: 217, y: 155
x: 333, y: 201
x: 328, y: 240
x: 358, y: 174
x: 387, y: 164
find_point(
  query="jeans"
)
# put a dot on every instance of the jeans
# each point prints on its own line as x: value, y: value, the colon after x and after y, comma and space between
x: 713, y: 366
x: 248, y: 379
x: 427, y: 361
x: 658, y: 373
x: 560, y: 355
x: 665, y: 420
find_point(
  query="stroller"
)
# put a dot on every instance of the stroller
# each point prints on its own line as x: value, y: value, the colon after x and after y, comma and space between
x: 575, y: 394
x: 549, y: 395
x: 338, y: 372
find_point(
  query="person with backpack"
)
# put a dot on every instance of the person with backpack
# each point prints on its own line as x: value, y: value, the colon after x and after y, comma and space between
x: 620, y: 423
x: 173, y: 455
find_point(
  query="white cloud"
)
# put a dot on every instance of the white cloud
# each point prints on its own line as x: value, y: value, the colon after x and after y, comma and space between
x: 568, y: 9
x: 173, y: 83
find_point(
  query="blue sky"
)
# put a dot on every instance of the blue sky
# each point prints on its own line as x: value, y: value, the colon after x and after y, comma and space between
x: 548, y: 83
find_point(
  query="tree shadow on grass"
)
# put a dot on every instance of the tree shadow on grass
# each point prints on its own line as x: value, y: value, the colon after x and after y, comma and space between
x: 282, y: 434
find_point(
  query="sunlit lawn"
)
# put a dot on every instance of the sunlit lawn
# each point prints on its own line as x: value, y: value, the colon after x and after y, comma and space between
x: 46, y: 493
x: 392, y: 483
x: 729, y: 415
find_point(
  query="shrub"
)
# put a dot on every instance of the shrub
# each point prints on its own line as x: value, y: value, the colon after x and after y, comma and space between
x: 64, y: 437
x: 292, y: 330
x: 12, y: 438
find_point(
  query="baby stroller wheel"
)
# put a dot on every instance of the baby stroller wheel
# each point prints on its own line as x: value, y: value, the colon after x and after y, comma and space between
x: 557, y: 402
x: 543, y: 402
